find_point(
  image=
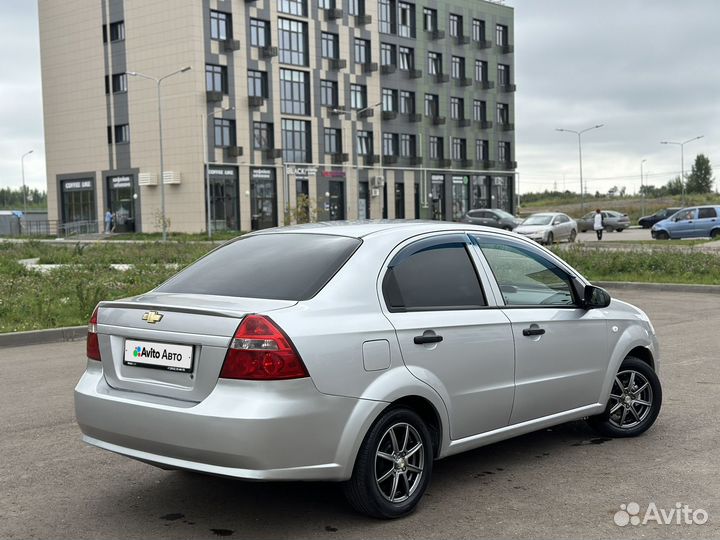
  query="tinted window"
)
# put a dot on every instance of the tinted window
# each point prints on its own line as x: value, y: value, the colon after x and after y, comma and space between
x: 432, y: 275
x: 707, y: 213
x: 274, y: 266
x: 526, y: 277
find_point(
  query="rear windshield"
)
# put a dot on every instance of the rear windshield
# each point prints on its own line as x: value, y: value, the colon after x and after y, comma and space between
x: 285, y: 266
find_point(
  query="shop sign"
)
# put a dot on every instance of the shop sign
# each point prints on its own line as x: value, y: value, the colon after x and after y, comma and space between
x: 222, y: 172
x: 262, y: 174
x: 77, y: 185
x: 303, y: 172
x: 117, y: 182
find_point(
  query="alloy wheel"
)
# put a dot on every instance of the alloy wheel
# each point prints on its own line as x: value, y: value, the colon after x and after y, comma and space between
x: 631, y: 399
x: 399, y: 462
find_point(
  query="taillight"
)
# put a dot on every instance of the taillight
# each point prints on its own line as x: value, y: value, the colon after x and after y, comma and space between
x: 93, y: 346
x: 261, y: 351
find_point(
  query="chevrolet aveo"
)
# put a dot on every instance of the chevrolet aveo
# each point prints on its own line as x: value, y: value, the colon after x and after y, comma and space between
x: 361, y: 353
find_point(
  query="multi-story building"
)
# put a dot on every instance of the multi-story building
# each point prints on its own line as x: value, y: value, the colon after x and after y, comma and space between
x: 365, y: 108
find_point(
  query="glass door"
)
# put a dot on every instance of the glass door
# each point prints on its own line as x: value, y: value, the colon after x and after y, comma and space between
x: 337, y: 200
x: 263, y: 200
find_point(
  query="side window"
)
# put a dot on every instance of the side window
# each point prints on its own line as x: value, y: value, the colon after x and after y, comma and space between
x: 526, y: 277
x: 433, y: 274
x: 705, y: 213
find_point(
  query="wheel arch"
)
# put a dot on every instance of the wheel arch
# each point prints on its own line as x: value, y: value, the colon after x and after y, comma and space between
x: 429, y: 414
x: 644, y: 354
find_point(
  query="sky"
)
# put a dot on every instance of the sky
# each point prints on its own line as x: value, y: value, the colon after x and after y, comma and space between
x: 646, y: 69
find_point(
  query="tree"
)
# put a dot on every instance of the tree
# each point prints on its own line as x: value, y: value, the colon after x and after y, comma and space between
x: 674, y: 186
x: 700, y: 179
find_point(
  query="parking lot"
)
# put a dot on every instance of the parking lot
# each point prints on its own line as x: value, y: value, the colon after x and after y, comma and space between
x: 559, y: 483
x: 625, y: 236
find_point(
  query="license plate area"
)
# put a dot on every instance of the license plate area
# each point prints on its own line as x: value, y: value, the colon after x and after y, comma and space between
x: 157, y: 355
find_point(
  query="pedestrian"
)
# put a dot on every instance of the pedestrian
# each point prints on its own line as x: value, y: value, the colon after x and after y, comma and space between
x: 108, y: 221
x: 598, y: 223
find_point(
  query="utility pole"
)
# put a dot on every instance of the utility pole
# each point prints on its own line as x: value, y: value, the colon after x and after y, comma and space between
x: 579, y: 136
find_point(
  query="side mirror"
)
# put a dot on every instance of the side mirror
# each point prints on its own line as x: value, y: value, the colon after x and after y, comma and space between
x: 596, y: 297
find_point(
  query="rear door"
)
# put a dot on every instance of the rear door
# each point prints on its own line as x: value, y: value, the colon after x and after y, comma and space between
x: 449, y: 334
x: 707, y: 220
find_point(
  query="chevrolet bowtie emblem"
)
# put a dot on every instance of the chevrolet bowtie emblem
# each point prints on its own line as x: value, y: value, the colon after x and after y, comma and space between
x: 152, y: 317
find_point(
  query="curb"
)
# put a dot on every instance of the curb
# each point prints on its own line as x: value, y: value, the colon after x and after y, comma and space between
x: 38, y: 337
x: 659, y: 287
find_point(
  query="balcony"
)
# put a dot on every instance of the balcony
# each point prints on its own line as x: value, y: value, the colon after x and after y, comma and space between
x: 462, y: 40
x: 230, y: 45
x: 389, y: 160
x: 465, y: 81
x: 506, y: 126
x: 442, y: 78
x: 415, y: 73
x: 414, y: 117
x: 464, y: 163
x: 336, y: 64
x: 486, y: 85
x: 483, y: 124
x: 483, y: 44
x: 507, y: 165
x: 507, y: 88
x: 233, y: 151
x: 336, y: 111
x: 486, y: 164
x: 333, y: 14
x: 213, y: 96
x: 371, y: 159
x: 369, y: 67
x: 269, y: 51
x: 442, y: 163
x: 436, y: 34
x: 256, y: 101
x: 387, y: 69
x: 464, y: 122
x: 507, y: 49
x: 415, y: 161
x: 389, y: 115
x: 438, y: 120
x: 339, y: 158
x: 272, y: 153
x: 362, y: 20
x: 367, y: 112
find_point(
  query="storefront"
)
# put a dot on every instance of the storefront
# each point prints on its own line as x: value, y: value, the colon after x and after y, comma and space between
x: 331, y: 183
x: 502, y: 193
x: 437, y: 197
x: 263, y: 198
x: 460, y: 196
x: 77, y: 201
x: 224, y: 198
x: 121, y: 198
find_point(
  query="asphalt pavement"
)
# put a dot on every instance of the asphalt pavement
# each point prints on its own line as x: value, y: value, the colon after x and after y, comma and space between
x: 560, y: 483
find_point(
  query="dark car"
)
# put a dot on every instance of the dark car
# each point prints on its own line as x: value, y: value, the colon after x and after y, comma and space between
x: 491, y: 217
x: 648, y: 221
x: 612, y: 221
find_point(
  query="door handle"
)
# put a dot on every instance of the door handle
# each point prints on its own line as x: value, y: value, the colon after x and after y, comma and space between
x: 533, y: 331
x: 422, y: 340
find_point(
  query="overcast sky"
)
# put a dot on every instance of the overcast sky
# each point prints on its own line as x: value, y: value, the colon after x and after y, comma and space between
x: 647, y: 69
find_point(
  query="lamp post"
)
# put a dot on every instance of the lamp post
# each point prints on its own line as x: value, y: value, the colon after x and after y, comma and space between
x: 158, y: 81
x: 22, y: 168
x: 642, y: 191
x: 205, y: 120
x: 682, y: 161
x: 579, y: 136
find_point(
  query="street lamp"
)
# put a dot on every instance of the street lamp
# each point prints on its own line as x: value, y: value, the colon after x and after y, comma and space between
x: 642, y: 191
x: 205, y: 121
x: 22, y: 168
x: 158, y: 82
x: 682, y: 160
x: 579, y: 136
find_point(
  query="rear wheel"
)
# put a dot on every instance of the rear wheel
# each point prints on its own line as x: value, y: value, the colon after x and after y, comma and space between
x: 393, y: 466
x: 715, y: 234
x: 620, y: 230
x: 634, y: 404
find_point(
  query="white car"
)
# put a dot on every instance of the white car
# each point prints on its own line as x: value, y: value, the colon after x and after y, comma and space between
x: 548, y: 228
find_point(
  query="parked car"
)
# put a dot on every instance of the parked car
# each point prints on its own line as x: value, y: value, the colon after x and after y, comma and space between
x: 648, y: 221
x: 548, y: 228
x: 491, y: 217
x: 612, y: 221
x: 695, y: 222
x: 361, y: 353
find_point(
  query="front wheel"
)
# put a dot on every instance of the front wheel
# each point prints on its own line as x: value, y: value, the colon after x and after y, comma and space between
x: 635, y: 401
x: 662, y: 235
x: 393, y: 466
x: 573, y: 236
x: 550, y: 239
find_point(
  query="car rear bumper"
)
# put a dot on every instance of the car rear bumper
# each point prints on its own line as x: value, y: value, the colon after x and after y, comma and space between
x: 281, y: 430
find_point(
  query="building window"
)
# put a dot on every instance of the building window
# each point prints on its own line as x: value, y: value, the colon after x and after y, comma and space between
x: 216, y: 78
x: 296, y: 141
x: 407, y: 145
x: 504, y: 152
x: 293, y: 42
x: 329, y: 45
x: 117, y: 31
x: 358, y: 96
x: 326, y: 4
x: 120, y: 132
x: 388, y: 54
x: 263, y: 137
x: 456, y: 25
x: 387, y: 16
x: 220, y: 25
x: 478, y: 30
x: 501, y: 35
x: 329, y: 94
x: 457, y: 108
x: 503, y: 113
x: 482, y: 150
x: 365, y: 143
x: 436, y: 148
x: 333, y: 142
x: 406, y: 19
x: 390, y: 144
x: 259, y: 33
x: 224, y: 132
x: 294, y: 92
x: 458, y: 67
x: 389, y: 100
x: 293, y: 7
x: 459, y: 148
x: 479, y: 110
x: 257, y: 83
x: 356, y: 7
x: 119, y: 83
x: 434, y: 63
x: 430, y: 19
x: 481, y: 70
x: 503, y: 75
x: 362, y: 51
x: 407, y: 102
x: 432, y: 105
x: 407, y: 58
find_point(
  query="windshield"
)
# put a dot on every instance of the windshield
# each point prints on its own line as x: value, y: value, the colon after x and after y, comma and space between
x: 539, y: 219
x: 504, y: 214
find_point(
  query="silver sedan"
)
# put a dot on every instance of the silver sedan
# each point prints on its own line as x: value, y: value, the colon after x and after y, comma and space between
x: 548, y: 228
x: 361, y: 353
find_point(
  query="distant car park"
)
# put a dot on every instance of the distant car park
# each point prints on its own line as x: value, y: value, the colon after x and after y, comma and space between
x: 648, y: 221
x: 491, y: 217
x: 694, y: 222
x: 549, y: 227
x: 612, y: 221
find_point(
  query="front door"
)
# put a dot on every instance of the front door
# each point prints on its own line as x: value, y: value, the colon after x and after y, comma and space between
x: 684, y: 226
x: 224, y: 190
x: 561, y: 351
x: 437, y: 197
x: 263, y: 200
x: 337, y: 200
x: 122, y: 203
x: 448, y: 337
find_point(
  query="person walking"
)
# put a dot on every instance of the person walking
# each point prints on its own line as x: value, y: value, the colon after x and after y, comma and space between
x: 598, y: 223
x: 108, y: 221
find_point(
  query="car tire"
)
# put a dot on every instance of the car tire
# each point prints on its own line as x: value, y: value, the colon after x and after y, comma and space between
x: 608, y: 228
x: 384, y: 468
x: 573, y: 236
x: 550, y: 239
x: 715, y: 234
x: 662, y: 235
x: 619, y: 230
x: 634, y: 404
